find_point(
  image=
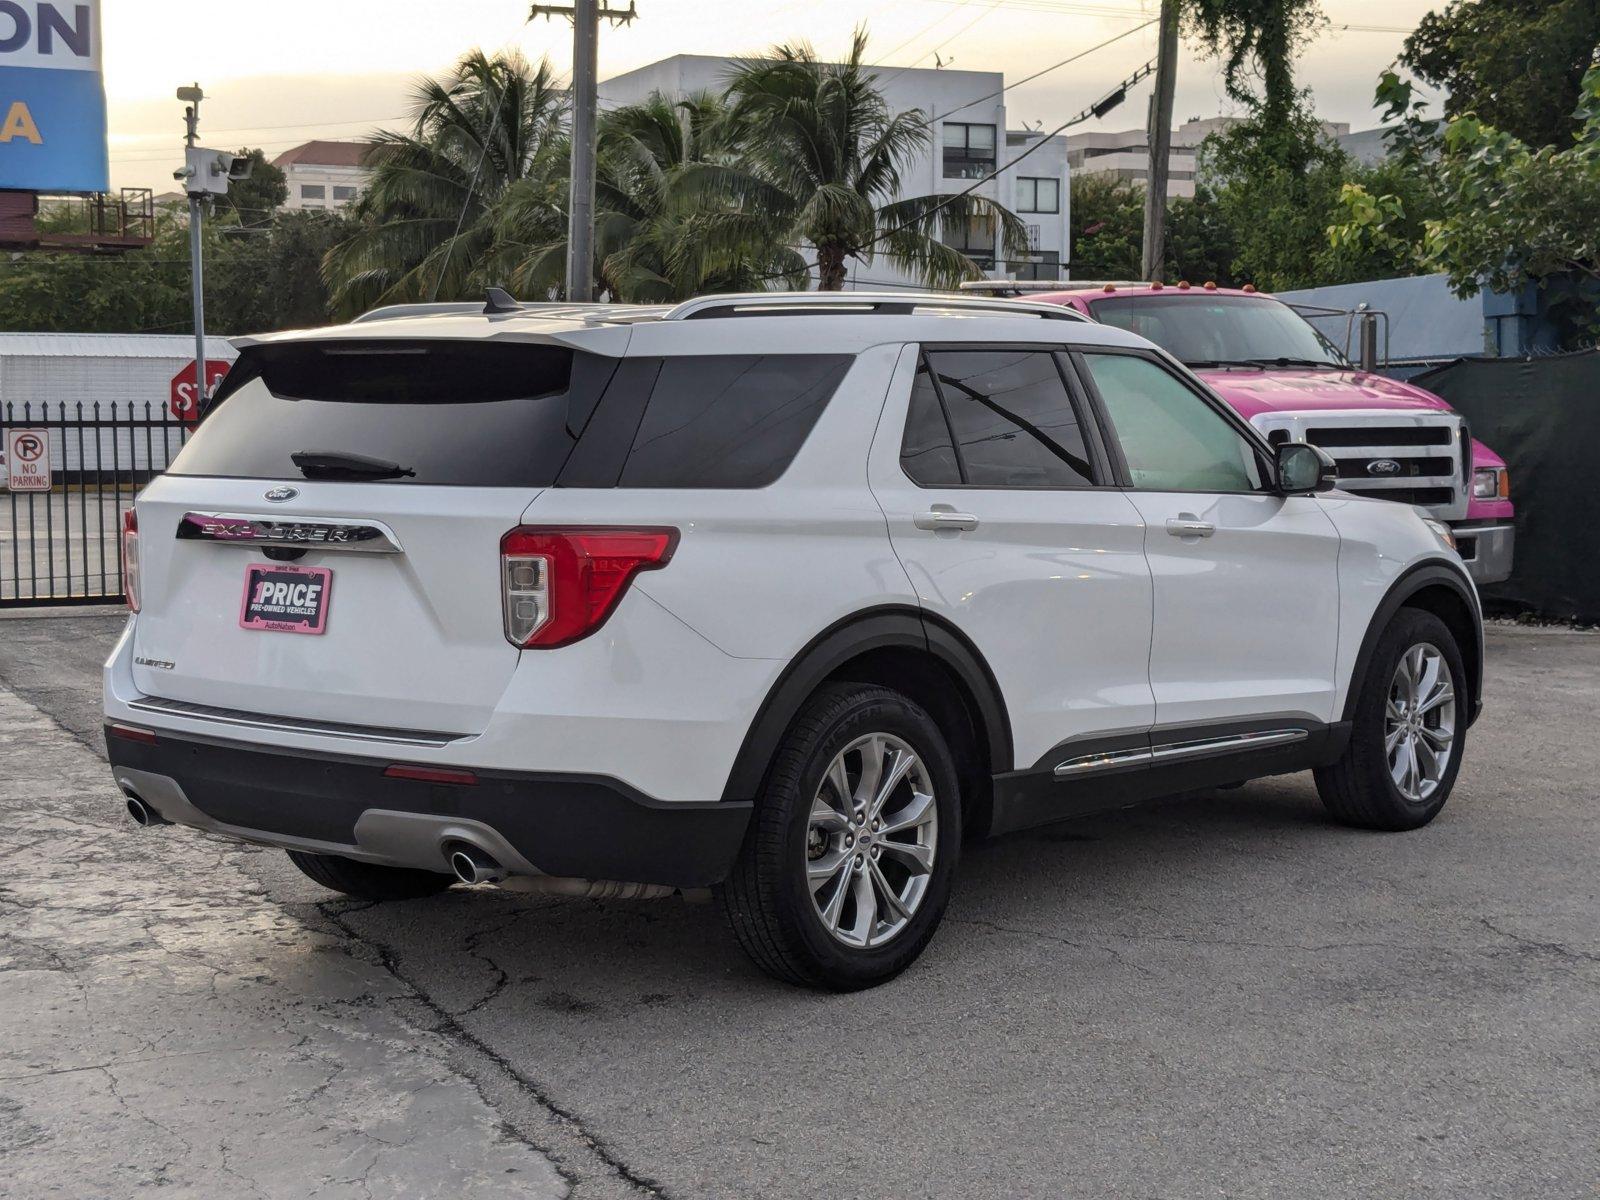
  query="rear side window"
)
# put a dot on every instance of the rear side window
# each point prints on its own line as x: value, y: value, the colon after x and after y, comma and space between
x: 449, y: 412
x: 729, y: 421
x: 1008, y: 421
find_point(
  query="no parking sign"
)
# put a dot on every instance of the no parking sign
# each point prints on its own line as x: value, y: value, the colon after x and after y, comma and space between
x: 28, y: 460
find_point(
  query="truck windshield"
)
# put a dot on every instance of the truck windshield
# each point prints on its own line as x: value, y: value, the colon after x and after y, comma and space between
x: 1208, y: 330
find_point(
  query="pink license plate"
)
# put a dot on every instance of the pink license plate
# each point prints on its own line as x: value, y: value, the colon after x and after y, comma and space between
x: 285, y: 599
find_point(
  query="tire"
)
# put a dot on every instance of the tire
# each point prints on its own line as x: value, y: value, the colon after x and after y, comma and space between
x: 1361, y: 788
x: 768, y: 897
x: 369, y: 881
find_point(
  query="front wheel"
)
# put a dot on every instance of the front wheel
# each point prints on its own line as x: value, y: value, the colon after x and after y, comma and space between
x: 1408, y: 733
x: 846, y: 867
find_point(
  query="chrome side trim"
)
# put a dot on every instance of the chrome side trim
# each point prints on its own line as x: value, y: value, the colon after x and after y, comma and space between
x: 247, y: 720
x: 302, y: 533
x: 1170, y: 751
x: 1235, y: 741
x: 1102, y: 761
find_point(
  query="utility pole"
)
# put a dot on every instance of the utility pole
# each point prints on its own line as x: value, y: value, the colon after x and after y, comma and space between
x: 586, y: 16
x: 191, y: 121
x: 1160, y: 140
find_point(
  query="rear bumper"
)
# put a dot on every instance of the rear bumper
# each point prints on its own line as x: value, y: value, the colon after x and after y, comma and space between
x: 581, y: 826
x: 1486, y: 550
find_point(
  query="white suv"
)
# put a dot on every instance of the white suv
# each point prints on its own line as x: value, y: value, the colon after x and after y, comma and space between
x: 776, y: 595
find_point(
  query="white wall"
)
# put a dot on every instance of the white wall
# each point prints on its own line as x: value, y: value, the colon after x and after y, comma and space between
x: 300, y: 175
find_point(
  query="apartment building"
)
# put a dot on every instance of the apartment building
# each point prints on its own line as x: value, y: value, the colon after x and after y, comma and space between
x: 1126, y: 154
x: 971, y: 141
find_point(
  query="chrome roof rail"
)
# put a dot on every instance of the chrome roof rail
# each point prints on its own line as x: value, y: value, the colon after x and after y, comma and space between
x: 793, y: 304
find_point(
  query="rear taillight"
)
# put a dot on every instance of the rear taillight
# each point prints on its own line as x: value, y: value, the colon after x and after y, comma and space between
x: 130, y: 558
x: 559, y: 585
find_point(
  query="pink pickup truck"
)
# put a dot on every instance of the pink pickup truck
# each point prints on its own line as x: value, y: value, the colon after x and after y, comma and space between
x: 1391, y: 440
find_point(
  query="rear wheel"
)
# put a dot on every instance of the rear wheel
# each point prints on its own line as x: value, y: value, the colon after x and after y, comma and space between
x: 846, y: 868
x: 369, y: 881
x: 1408, y: 733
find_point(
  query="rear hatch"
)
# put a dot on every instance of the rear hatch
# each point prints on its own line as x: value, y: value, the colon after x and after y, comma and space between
x: 380, y: 474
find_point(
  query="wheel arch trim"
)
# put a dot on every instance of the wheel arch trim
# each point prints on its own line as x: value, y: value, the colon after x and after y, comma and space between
x: 849, y: 638
x: 1423, y: 575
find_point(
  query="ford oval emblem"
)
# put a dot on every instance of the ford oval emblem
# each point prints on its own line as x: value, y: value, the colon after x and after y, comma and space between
x: 279, y: 494
x: 1378, y: 466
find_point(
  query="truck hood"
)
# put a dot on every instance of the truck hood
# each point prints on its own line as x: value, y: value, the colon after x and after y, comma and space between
x: 1252, y: 392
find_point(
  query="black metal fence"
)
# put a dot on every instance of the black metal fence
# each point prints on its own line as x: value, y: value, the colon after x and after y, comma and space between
x: 64, y: 546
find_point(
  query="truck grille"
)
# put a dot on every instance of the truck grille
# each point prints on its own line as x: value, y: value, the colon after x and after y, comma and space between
x: 1410, y: 460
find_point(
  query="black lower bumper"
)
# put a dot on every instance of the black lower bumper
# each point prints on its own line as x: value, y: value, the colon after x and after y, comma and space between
x: 583, y: 826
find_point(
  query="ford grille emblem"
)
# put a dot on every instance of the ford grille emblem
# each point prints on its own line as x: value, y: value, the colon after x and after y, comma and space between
x: 279, y: 494
x: 1378, y: 466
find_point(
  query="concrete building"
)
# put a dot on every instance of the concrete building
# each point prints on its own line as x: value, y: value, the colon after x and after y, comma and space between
x: 1126, y: 154
x: 970, y: 140
x: 324, y: 174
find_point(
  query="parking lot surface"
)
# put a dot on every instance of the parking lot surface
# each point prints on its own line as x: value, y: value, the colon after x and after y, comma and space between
x: 1222, y: 996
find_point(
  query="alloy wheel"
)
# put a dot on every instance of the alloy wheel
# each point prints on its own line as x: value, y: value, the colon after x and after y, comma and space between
x: 870, y: 840
x: 1420, y: 722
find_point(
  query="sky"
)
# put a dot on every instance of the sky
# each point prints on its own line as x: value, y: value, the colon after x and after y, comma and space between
x: 282, y: 73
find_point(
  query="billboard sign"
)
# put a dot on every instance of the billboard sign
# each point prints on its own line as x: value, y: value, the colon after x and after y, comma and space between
x: 52, y: 102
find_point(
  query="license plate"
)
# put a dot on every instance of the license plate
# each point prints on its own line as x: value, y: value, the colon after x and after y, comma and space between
x: 285, y: 599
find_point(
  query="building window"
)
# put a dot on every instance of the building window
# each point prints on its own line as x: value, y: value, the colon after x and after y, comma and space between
x: 1038, y: 195
x: 968, y: 150
x: 1046, y: 264
x: 974, y: 238
x: 313, y: 191
x: 344, y: 193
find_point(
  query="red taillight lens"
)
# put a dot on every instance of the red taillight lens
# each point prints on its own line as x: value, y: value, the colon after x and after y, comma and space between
x: 559, y: 585
x: 130, y: 558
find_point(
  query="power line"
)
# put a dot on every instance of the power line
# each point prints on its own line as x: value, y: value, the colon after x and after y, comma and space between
x: 1056, y: 66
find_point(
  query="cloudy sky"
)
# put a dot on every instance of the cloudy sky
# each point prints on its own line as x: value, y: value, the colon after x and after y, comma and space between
x: 279, y: 74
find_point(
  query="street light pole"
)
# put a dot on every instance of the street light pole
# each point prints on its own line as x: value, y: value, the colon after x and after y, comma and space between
x: 586, y: 16
x: 191, y: 119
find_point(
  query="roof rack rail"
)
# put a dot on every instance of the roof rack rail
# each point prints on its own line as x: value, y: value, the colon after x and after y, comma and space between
x: 788, y: 304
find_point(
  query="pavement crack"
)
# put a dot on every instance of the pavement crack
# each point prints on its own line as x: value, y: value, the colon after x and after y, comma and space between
x: 1557, y: 949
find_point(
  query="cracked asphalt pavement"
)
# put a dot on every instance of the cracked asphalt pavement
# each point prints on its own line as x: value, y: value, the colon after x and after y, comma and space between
x: 1222, y: 996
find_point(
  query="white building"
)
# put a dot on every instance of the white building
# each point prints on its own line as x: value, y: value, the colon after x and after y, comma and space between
x: 324, y: 174
x: 1126, y: 154
x: 970, y: 139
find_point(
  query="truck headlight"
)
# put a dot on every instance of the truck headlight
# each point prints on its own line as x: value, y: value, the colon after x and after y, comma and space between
x: 1491, y: 483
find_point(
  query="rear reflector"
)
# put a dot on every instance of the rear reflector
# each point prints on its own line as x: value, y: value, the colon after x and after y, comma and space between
x: 431, y: 775
x: 132, y: 733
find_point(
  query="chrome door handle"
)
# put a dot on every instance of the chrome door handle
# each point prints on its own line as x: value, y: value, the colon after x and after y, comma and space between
x: 939, y: 518
x: 1187, y: 526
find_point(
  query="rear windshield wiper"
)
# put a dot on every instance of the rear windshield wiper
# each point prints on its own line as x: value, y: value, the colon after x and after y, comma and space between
x: 337, y: 464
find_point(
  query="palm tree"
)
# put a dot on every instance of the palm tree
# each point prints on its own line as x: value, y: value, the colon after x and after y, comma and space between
x: 824, y: 156
x: 653, y: 243
x: 428, y: 217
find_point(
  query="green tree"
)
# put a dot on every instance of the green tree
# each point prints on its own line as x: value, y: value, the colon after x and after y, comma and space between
x: 256, y: 199
x: 268, y: 278
x: 1200, y: 243
x: 428, y: 219
x: 1258, y: 41
x: 1276, y: 180
x: 1107, y: 227
x: 1516, y: 65
x: 654, y: 242
x: 820, y: 152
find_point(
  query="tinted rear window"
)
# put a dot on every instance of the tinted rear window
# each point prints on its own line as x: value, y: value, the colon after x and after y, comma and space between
x: 729, y: 421
x: 514, y: 415
x: 463, y: 413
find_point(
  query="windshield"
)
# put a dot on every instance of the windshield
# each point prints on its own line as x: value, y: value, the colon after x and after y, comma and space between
x: 1220, y: 330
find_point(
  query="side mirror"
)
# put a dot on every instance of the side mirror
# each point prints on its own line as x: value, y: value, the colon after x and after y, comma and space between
x: 1302, y: 468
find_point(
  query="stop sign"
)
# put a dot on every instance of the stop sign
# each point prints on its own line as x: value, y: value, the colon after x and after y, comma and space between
x: 184, y: 399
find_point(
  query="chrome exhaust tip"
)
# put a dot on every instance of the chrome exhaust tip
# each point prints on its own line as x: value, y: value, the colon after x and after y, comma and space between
x: 143, y: 815
x: 472, y: 865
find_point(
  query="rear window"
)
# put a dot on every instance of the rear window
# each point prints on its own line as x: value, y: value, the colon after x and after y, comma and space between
x: 462, y: 413
x: 509, y: 415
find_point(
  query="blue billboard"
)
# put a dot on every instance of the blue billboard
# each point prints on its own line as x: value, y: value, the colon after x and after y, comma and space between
x: 52, y: 102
